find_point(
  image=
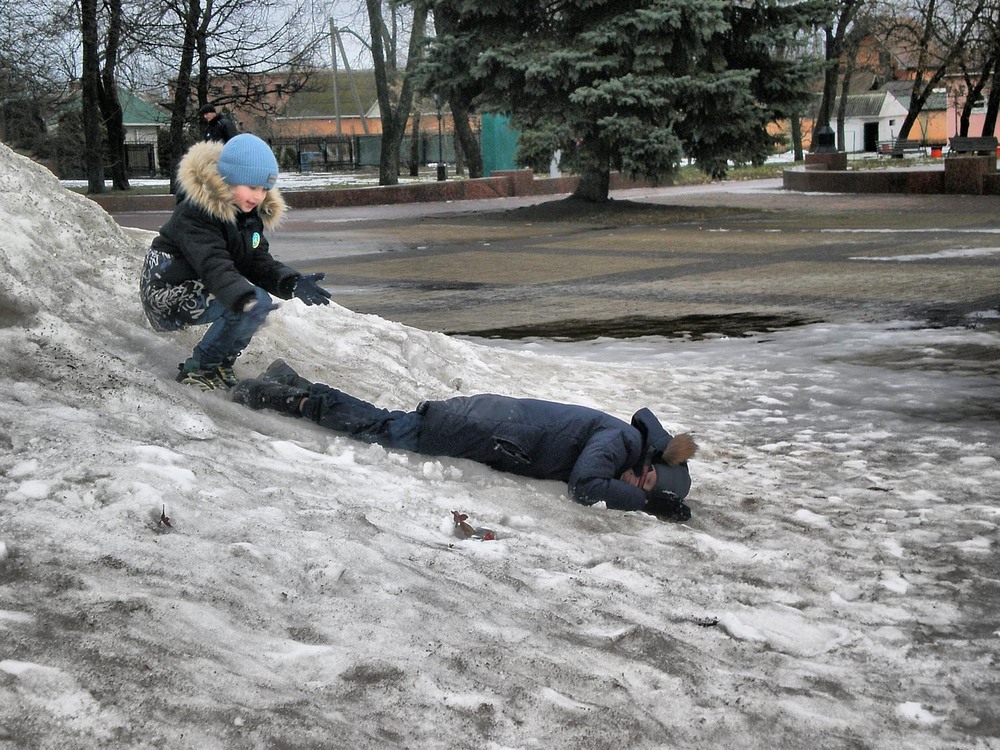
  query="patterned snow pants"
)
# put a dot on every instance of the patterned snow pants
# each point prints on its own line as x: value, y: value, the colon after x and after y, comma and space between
x: 171, y: 307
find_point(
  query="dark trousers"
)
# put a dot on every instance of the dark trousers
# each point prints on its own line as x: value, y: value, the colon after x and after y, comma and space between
x: 352, y: 416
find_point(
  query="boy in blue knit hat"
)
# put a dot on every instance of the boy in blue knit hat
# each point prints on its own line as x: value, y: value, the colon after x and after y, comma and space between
x: 210, y: 264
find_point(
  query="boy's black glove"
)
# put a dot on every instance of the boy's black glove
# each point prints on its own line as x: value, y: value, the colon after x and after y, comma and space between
x: 310, y: 292
x: 666, y: 505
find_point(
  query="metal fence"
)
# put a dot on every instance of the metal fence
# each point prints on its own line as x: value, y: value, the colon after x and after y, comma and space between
x: 140, y: 160
x: 357, y: 151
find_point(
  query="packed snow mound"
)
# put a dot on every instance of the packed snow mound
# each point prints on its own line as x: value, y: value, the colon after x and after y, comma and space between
x: 68, y: 292
x: 178, y: 571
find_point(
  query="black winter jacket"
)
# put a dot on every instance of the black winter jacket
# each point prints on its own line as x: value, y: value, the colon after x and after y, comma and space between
x: 586, y: 448
x: 213, y: 241
x: 219, y: 128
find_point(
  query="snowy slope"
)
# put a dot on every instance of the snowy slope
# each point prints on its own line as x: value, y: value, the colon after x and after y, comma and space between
x: 837, y: 586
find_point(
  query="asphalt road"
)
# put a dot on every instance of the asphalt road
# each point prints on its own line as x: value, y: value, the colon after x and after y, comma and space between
x: 721, y: 258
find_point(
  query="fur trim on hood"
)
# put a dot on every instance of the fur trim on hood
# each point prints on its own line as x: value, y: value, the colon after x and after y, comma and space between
x: 199, y: 179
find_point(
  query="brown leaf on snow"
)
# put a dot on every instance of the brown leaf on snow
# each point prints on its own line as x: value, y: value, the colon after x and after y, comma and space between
x: 460, y: 522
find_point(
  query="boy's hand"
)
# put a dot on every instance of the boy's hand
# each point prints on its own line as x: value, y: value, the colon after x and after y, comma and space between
x: 310, y: 292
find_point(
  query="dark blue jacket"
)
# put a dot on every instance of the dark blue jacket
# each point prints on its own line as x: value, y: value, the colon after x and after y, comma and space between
x: 583, y: 447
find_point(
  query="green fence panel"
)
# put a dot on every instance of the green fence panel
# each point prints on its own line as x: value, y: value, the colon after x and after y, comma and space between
x: 499, y: 144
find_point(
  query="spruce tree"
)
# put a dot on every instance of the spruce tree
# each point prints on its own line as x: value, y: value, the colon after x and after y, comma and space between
x: 629, y: 85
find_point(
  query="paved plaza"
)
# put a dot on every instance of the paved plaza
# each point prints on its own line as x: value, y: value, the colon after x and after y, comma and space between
x: 719, y: 258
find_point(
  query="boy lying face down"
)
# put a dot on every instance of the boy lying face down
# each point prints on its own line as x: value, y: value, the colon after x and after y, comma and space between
x: 637, y: 466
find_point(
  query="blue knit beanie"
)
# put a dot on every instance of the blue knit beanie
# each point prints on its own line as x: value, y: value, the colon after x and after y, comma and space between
x: 247, y: 160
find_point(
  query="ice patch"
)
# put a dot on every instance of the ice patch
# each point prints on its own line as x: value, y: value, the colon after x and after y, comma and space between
x: 17, y: 618
x: 23, y: 469
x: 783, y: 629
x: 915, y: 712
x: 811, y: 519
x: 895, y: 582
x: 33, y: 489
x: 940, y: 255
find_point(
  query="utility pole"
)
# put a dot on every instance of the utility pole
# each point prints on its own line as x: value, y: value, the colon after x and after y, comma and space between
x: 337, y: 42
x: 336, y: 92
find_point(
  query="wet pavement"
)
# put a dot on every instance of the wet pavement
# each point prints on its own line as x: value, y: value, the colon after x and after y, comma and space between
x: 721, y: 259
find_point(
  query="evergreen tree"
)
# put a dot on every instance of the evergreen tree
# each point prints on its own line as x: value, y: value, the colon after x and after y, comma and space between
x: 633, y: 85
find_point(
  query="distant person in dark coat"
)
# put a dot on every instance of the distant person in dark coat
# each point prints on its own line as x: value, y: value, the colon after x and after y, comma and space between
x: 637, y: 466
x: 215, y: 127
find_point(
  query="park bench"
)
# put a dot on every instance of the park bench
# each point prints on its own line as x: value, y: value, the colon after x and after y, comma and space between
x: 899, y: 146
x: 984, y: 145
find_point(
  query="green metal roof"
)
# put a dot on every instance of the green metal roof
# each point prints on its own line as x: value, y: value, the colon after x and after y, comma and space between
x: 315, y: 99
x: 136, y: 111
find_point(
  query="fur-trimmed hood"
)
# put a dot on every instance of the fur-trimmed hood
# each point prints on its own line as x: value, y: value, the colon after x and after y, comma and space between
x: 199, y: 179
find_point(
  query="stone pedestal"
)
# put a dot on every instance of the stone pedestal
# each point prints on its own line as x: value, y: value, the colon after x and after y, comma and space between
x: 835, y: 161
x: 964, y: 174
x: 519, y: 179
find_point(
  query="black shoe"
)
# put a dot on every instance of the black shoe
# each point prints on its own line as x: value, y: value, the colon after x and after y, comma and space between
x: 281, y: 372
x: 269, y: 394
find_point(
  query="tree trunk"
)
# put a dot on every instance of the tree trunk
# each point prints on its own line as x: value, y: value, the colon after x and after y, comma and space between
x: 467, y: 143
x: 446, y: 22
x: 415, y: 146
x: 594, y: 186
x: 830, y: 76
x: 182, y: 91
x: 393, y: 117
x: 111, y: 107
x: 387, y: 172
x: 459, y: 159
x: 799, y: 153
x: 845, y: 88
x: 112, y: 111
x: 992, y: 103
x: 90, y: 83
x: 201, y: 47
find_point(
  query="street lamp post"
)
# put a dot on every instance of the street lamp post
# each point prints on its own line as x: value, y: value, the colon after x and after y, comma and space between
x: 442, y: 169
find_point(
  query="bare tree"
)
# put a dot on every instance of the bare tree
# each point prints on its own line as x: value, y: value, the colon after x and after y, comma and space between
x: 394, y: 88
x: 932, y: 35
x: 241, y: 43
x: 188, y: 13
x: 35, y: 67
x: 460, y: 91
x: 90, y: 91
x: 110, y: 106
x: 835, y: 34
x: 993, y: 100
x: 980, y: 66
x: 246, y: 44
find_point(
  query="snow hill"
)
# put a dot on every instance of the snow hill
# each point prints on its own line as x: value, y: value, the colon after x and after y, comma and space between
x: 179, y: 572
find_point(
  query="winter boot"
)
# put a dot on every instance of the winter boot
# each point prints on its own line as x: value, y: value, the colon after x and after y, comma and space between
x: 226, y: 374
x: 281, y: 372
x: 260, y: 393
x: 191, y: 373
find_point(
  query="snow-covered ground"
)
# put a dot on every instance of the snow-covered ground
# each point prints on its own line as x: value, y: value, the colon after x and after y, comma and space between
x: 313, y: 180
x: 179, y: 572
x: 287, y: 180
